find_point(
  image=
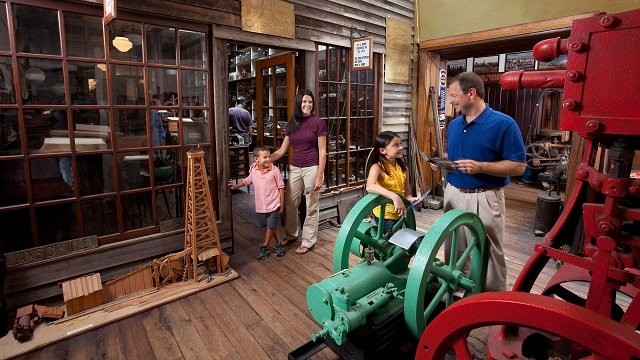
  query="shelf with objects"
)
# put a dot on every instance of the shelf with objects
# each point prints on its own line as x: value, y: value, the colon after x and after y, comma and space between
x: 242, y: 78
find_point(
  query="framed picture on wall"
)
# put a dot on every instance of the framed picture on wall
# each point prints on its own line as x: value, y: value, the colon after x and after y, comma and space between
x: 455, y: 67
x: 486, y: 64
x: 520, y: 61
x: 558, y: 63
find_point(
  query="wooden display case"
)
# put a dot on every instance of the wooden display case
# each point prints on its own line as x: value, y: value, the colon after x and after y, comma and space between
x: 238, y: 162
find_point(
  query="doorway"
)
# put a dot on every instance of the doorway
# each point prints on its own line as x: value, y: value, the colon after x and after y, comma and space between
x: 264, y: 79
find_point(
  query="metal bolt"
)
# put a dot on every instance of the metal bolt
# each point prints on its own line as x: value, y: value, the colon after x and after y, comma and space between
x: 592, y: 125
x: 570, y: 104
x: 576, y: 46
x: 608, y: 21
x: 574, y: 76
x: 605, y: 227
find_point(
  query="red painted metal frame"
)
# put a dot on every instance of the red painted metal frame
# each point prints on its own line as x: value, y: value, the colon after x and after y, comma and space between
x: 602, y: 104
x: 449, y: 331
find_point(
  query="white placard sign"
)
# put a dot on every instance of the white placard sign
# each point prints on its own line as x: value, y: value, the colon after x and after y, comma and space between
x: 362, y: 50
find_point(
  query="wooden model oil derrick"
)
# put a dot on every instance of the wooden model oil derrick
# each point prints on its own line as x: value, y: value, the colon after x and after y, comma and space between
x: 201, y: 230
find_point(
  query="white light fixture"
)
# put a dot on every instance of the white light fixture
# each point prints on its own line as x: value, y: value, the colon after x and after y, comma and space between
x: 34, y: 74
x: 172, y: 71
x: 122, y: 43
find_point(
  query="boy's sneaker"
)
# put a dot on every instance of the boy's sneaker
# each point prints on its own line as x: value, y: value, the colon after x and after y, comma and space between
x: 279, y: 250
x: 264, y: 252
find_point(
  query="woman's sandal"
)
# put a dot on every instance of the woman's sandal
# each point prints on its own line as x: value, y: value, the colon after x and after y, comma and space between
x: 303, y: 250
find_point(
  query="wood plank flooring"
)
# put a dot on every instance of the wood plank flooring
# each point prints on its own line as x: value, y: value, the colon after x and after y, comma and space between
x: 263, y: 314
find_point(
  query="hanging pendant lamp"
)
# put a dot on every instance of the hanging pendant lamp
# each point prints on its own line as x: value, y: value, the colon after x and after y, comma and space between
x: 122, y: 43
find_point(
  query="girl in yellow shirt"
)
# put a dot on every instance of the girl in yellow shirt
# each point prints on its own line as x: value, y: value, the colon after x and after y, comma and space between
x: 388, y: 177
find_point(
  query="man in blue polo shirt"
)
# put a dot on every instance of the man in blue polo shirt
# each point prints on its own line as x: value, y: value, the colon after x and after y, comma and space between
x: 488, y: 148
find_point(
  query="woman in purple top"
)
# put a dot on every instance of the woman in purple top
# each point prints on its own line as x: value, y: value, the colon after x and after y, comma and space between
x: 307, y: 135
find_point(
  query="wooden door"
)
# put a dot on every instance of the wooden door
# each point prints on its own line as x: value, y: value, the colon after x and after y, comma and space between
x: 275, y: 92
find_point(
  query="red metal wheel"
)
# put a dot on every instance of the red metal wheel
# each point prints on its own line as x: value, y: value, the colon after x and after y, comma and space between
x: 584, y: 329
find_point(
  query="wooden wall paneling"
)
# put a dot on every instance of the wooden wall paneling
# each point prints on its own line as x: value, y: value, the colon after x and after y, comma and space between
x: 399, y: 8
x: 236, y: 34
x: 202, y: 11
x: 220, y: 92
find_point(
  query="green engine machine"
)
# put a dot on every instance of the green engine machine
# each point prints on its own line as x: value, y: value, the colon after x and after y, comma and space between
x: 379, y: 275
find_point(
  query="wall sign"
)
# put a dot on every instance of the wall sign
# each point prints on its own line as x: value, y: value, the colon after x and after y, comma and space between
x: 399, y: 50
x: 109, y: 11
x: 272, y: 17
x: 361, y: 53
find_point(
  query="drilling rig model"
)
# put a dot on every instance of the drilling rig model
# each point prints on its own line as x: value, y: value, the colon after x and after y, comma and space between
x: 590, y: 308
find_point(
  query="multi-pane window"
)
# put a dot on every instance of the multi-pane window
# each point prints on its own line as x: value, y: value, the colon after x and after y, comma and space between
x: 346, y: 100
x: 95, y: 128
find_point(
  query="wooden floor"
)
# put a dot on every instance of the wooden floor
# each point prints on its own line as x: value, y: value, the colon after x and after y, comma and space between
x: 262, y: 314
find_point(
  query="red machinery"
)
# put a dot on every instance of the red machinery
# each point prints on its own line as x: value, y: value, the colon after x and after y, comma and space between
x: 590, y: 308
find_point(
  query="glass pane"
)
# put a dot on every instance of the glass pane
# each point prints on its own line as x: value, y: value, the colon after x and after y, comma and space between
x: 167, y: 167
x: 194, y: 88
x: 125, y: 40
x: 12, y: 185
x: 42, y: 81
x: 196, y: 130
x: 9, y: 132
x: 355, y: 101
x: 131, y: 128
x: 369, y: 77
x: 99, y: 216
x: 38, y: 125
x: 88, y: 82
x: 133, y: 170
x: 158, y: 127
x: 332, y: 59
x: 4, y: 31
x: 266, y: 91
x: 322, y: 63
x: 37, y: 30
x: 342, y: 101
x: 163, y: 85
x: 52, y: 178
x: 269, y: 115
x: 95, y: 174
x: 57, y: 223
x: 7, y: 92
x: 16, y: 225
x: 332, y: 100
x: 342, y: 65
x: 161, y: 45
x: 369, y: 92
x: 127, y: 85
x: 281, y: 96
x: 83, y: 34
x: 92, y: 125
x: 354, y: 76
x: 168, y: 203
x: 192, y: 49
x: 136, y: 211
x: 322, y: 103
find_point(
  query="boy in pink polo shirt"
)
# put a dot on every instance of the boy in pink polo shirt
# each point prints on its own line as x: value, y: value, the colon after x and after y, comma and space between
x: 269, y: 192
